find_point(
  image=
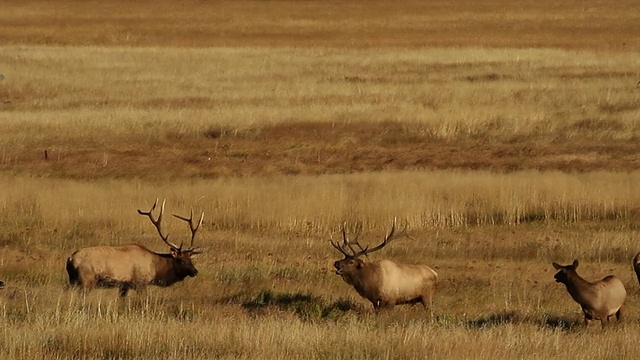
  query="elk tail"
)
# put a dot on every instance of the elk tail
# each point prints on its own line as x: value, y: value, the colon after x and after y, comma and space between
x: 74, y: 275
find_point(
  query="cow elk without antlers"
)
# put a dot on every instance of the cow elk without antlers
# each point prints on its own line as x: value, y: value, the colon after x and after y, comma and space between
x: 134, y: 266
x: 384, y: 283
x: 600, y: 300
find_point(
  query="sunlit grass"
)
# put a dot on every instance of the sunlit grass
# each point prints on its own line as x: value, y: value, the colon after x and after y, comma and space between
x: 266, y: 287
x: 448, y: 93
x: 221, y: 107
x: 313, y: 205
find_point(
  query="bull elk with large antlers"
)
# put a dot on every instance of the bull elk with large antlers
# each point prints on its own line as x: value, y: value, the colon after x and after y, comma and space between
x: 599, y: 300
x: 384, y: 283
x: 134, y: 266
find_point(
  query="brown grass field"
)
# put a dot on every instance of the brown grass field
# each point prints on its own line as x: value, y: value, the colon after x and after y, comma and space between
x: 506, y: 133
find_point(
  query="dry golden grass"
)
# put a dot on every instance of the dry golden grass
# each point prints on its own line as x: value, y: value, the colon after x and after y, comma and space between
x: 220, y: 112
x: 266, y: 287
x: 505, y: 132
x: 590, y: 24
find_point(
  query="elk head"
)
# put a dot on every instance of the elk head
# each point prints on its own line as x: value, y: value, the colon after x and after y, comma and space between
x: 562, y: 276
x: 352, y: 263
x: 181, y: 257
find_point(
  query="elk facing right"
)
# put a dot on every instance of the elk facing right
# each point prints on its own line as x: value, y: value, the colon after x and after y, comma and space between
x: 134, y: 266
x: 385, y: 283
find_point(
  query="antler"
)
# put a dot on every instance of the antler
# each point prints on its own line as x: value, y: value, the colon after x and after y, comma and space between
x: 387, y: 239
x: 346, y: 243
x: 194, y: 230
x: 158, y: 223
x: 391, y: 235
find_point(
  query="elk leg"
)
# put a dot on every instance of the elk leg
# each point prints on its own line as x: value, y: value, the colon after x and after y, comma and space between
x: 84, y: 283
x: 427, y: 304
x: 123, y: 290
x: 619, y: 314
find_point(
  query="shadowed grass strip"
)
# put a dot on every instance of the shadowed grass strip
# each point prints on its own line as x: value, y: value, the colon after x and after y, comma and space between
x: 306, y: 306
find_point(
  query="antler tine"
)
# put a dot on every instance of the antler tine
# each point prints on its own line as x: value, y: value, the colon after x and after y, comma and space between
x: 158, y: 222
x: 345, y: 243
x: 358, y: 233
x: 194, y: 228
x: 354, y: 241
x: 391, y: 235
x: 339, y: 248
x: 348, y: 244
x: 345, y: 240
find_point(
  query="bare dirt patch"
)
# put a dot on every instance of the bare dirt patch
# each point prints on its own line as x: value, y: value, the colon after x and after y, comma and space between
x: 318, y: 148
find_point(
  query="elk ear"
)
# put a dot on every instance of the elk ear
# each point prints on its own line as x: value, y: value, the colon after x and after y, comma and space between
x: 557, y: 266
x: 575, y: 263
x: 174, y: 253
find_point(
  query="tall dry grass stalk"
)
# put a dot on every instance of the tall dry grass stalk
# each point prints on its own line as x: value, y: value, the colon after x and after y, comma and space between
x: 316, y: 205
x: 69, y: 326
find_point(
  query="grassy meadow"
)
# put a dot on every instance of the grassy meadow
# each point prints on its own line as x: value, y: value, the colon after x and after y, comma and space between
x: 506, y: 134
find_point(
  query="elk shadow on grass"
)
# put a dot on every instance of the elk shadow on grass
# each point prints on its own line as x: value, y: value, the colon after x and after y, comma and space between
x: 501, y: 318
x: 305, y: 306
x: 559, y: 323
x: 515, y: 318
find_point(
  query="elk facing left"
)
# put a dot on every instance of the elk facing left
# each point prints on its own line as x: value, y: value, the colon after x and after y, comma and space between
x: 134, y: 266
x: 384, y: 283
